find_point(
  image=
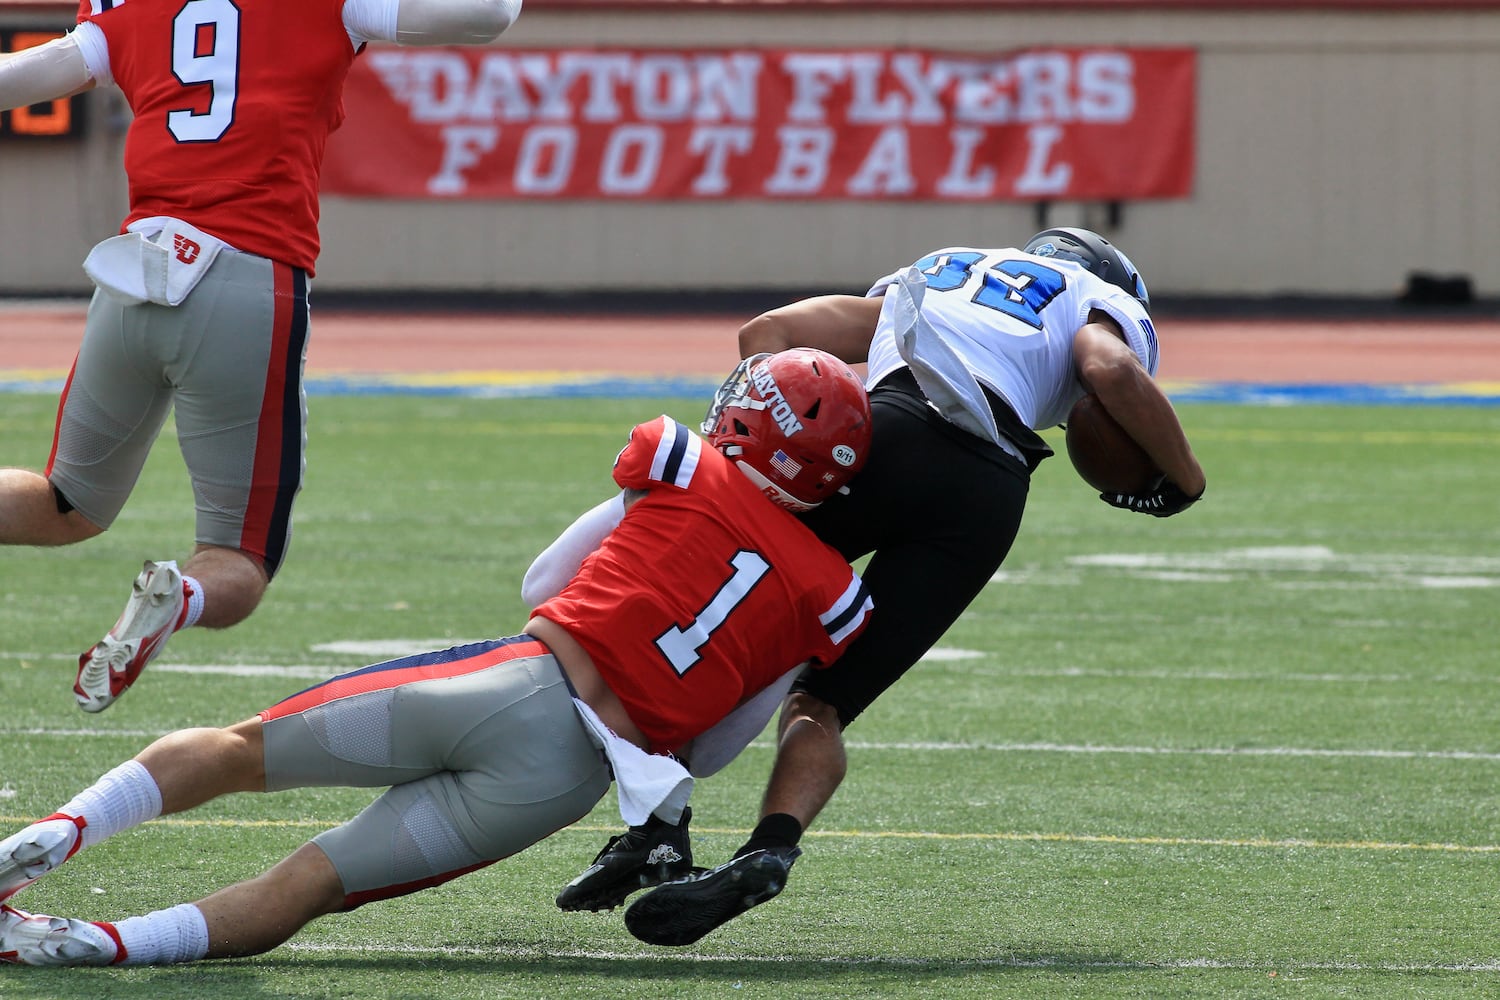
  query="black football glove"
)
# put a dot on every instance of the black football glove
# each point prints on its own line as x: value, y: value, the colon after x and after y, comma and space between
x: 1166, y: 500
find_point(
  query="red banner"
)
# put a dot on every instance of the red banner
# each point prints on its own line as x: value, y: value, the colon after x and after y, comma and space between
x: 1066, y: 123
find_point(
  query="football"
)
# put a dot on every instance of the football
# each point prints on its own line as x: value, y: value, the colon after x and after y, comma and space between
x: 1106, y: 457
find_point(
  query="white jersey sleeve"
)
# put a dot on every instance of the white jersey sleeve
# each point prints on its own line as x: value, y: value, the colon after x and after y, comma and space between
x: 551, y: 571
x: 94, y: 47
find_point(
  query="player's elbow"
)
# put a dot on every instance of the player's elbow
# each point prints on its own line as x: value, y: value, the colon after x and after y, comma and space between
x: 486, y: 20
x: 1112, y: 375
x: 539, y: 585
x: 765, y: 334
x: 494, y: 17
x: 454, y: 22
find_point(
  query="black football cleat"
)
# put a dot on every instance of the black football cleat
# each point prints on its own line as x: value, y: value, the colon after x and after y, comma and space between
x: 681, y: 912
x: 639, y: 858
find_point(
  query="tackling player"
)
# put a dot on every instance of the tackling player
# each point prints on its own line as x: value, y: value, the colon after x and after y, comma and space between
x: 970, y: 353
x: 663, y: 632
x: 202, y: 301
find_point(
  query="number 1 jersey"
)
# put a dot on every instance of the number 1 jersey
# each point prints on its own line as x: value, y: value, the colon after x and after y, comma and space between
x: 706, y: 592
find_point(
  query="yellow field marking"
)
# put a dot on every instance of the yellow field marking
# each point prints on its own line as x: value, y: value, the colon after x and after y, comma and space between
x: 1106, y: 838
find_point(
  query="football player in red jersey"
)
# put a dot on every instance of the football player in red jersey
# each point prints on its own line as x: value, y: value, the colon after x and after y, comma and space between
x: 660, y: 639
x: 202, y: 300
x: 970, y: 352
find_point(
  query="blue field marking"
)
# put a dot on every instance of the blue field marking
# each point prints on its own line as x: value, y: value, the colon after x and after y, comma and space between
x: 562, y: 385
x: 490, y: 385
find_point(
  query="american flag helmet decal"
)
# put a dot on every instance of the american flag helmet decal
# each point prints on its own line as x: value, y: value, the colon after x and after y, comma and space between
x: 785, y: 464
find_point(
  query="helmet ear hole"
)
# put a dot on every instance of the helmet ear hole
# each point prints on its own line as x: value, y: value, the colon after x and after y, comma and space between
x: 812, y: 411
x: 740, y: 429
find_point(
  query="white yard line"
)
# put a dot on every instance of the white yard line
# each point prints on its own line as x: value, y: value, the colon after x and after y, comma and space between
x: 987, y: 836
x: 1280, y: 969
x: 924, y: 746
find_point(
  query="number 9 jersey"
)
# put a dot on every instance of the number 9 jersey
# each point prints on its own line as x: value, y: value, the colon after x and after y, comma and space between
x: 233, y: 106
x: 705, y: 593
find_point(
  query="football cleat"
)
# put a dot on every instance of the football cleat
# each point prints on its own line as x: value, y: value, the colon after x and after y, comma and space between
x: 681, y: 912
x: 41, y: 940
x: 155, y: 609
x: 643, y: 856
x: 35, y: 851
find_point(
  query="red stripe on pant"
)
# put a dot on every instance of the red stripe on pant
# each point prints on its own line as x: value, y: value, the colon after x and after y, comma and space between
x: 422, y: 667
x: 277, y: 470
x: 355, y: 899
x: 57, y: 425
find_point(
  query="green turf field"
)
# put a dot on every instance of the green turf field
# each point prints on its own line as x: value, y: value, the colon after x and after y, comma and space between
x: 1252, y: 751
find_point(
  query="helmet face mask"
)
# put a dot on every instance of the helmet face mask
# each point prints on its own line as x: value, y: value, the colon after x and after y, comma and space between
x: 735, y: 391
x: 796, y: 423
x: 1096, y: 254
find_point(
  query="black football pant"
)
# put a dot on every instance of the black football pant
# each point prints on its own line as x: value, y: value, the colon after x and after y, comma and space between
x: 939, y: 508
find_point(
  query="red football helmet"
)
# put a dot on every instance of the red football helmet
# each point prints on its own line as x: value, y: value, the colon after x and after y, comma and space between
x: 797, y: 423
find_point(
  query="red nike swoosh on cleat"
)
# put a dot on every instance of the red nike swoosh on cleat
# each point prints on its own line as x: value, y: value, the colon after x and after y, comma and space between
x: 119, y: 681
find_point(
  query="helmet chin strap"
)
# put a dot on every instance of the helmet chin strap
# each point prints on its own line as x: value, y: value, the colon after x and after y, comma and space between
x: 775, y: 493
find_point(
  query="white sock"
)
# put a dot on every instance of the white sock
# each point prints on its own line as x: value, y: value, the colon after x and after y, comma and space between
x: 164, y: 937
x: 194, y: 602
x: 125, y: 797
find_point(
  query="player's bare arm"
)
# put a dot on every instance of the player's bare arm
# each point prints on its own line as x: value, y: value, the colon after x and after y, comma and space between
x: 43, y: 73
x: 1111, y: 370
x: 839, y: 324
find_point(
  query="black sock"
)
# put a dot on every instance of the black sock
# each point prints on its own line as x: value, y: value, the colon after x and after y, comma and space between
x: 776, y: 830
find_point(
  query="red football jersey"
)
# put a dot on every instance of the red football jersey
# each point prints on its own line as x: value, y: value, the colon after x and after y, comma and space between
x: 233, y: 105
x: 706, y: 592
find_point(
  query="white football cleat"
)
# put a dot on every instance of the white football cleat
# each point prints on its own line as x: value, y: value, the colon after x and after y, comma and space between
x: 35, y: 851
x: 153, y: 612
x: 41, y: 940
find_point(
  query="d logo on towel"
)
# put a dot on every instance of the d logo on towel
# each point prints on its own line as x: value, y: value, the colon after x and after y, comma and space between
x: 187, y: 250
x: 161, y: 262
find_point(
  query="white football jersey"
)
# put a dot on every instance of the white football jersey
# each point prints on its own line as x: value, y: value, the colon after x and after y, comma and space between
x: 1011, y: 318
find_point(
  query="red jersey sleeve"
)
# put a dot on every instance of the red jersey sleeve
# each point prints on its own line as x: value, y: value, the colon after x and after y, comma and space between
x: 659, y: 452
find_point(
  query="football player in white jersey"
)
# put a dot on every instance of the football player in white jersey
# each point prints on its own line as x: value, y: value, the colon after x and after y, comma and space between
x: 970, y: 352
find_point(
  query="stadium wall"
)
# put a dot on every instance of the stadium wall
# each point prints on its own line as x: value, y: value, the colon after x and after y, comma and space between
x: 1341, y: 147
